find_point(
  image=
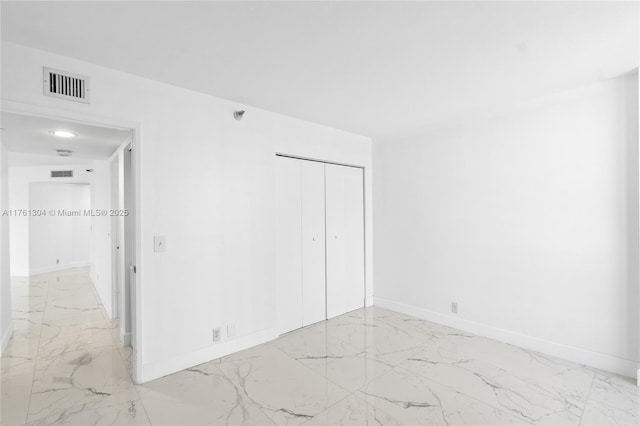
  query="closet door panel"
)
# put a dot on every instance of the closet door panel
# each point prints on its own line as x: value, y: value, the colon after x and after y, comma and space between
x: 288, y: 244
x: 313, y: 243
x: 345, y: 239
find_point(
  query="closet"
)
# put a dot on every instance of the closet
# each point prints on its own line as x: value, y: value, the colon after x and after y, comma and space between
x: 319, y: 241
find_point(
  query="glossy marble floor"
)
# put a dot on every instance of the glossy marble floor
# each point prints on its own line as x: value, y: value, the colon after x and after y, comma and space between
x: 371, y: 366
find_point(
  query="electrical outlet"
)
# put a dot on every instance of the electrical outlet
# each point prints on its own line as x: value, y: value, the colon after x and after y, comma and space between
x: 216, y: 334
x: 57, y: 261
x: 231, y: 330
x: 454, y: 307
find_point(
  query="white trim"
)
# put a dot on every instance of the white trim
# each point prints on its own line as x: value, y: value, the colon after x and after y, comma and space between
x: 6, y: 337
x: 602, y: 361
x: 162, y: 368
x: 46, y: 270
x: 125, y: 338
x: 106, y: 311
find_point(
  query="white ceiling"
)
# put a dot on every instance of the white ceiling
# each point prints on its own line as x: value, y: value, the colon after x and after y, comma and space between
x: 29, y: 142
x: 373, y: 68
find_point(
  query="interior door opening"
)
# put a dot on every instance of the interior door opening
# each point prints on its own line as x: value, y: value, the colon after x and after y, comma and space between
x: 98, y: 177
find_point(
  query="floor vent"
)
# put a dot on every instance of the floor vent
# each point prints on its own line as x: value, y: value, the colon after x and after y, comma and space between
x: 65, y: 85
x: 61, y: 173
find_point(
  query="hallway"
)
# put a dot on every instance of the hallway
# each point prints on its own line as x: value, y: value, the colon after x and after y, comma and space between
x: 63, y: 365
x: 371, y: 366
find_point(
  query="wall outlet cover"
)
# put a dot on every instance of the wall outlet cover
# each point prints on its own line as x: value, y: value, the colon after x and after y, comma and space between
x: 454, y: 307
x: 216, y: 335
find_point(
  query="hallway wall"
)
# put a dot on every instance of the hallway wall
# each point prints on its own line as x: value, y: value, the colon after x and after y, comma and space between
x: 59, y: 242
x: 18, y: 193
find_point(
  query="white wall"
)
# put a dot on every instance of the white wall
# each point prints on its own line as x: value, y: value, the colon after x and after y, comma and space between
x: 19, y: 180
x: 81, y: 253
x: 206, y: 182
x: 5, y: 281
x: 529, y: 220
x: 57, y: 241
x: 93, y: 248
x: 101, y: 270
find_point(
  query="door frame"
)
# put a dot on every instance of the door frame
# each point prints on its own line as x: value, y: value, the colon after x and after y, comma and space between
x: 136, y: 160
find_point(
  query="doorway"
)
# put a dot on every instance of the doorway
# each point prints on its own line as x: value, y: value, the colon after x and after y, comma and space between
x: 98, y: 161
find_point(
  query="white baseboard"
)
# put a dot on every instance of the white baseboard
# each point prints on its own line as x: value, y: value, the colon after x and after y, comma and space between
x: 125, y: 337
x: 6, y: 337
x: 598, y: 360
x: 172, y: 365
x: 55, y: 268
x: 106, y: 304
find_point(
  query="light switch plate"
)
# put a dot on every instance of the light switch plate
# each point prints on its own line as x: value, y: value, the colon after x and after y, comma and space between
x: 159, y: 243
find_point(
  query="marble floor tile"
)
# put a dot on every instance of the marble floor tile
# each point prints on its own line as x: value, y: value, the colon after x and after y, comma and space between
x: 198, y: 396
x: 620, y: 393
x: 126, y: 413
x: 349, y: 372
x: 15, y: 391
x: 13, y: 365
x: 372, y: 366
x: 345, y: 336
x: 551, y: 374
x: 352, y: 411
x: 415, y: 400
x: 283, y: 388
x: 59, y: 339
x: 95, y: 377
x: 495, y: 386
x: 24, y: 344
x: 599, y: 414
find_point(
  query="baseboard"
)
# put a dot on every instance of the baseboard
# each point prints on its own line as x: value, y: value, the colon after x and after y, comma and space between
x: 6, y: 337
x: 162, y: 368
x: 598, y: 360
x: 125, y: 337
x: 55, y: 268
x: 106, y: 309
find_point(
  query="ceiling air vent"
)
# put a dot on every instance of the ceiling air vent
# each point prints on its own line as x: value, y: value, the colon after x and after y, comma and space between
x: 65, y: 85
x: 61, y: 173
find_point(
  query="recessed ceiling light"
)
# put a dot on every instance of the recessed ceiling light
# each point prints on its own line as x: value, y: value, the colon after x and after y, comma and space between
x: 63, y: 133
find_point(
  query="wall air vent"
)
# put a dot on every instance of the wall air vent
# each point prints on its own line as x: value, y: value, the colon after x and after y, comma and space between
x: 61, y: 173
x: 65, y: 85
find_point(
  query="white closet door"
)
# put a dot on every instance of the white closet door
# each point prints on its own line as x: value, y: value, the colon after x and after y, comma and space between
x: 345, y: 239
x: 288, y: 250
x: 313, y: 248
